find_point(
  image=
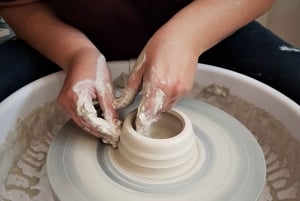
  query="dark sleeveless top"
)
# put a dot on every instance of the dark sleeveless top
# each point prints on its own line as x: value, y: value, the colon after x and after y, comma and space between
x: 119, y: 28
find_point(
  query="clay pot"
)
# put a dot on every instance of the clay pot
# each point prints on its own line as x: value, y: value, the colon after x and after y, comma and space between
x: 169, y: 151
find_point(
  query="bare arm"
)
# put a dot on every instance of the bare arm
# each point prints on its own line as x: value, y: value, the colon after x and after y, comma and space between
x: 171, y: 55
x: 37, y: 25
x: 203, y: 23
x: 88, y: 77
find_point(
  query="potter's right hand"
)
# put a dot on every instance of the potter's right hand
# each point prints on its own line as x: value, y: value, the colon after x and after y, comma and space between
x: 82, y: 86
x: 165, y: 69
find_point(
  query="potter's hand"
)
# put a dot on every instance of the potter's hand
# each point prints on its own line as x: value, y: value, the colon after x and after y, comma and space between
x: 77, y: 98
x: 166, y: 69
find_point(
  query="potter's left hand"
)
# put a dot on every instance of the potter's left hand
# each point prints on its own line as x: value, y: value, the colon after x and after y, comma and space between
x: 166, y: 69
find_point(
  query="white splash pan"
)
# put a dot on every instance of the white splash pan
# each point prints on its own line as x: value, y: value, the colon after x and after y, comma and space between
x: 44, y: 90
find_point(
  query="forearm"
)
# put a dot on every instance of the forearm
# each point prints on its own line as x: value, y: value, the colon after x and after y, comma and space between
x: 203, y: 23
x: 37, y: 25
x: 87, y: 77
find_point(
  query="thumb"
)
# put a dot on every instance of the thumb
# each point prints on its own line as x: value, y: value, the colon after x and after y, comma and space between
x: 149, y: 109
x: 104, y: 89
x: 133, y: 83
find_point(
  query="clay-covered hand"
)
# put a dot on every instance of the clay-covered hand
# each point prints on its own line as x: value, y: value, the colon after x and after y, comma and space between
x: 78, y: 96
x: 166, y: 69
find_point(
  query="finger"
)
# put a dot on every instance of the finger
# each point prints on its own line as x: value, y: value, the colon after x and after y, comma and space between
x: 99, y: 127
x: 80, y: 120
x: 149, y: 109
x: 109, y: 127
x: 133, y: 83
x: 104, y: 90
x: 102, y: 129
x: 84, y: 105
x: 170, y: 102
x: 68, y: 103
x: 73, y: 115
x: 86, y: 115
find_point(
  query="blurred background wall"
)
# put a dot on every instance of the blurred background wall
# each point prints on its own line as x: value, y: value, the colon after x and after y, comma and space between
x: 284, y: 20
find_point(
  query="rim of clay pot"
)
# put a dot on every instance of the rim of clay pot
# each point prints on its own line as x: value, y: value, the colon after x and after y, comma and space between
x: 163, y: 159
x: 178, y: 121
x: 184, y: 127
x: 146, y: 144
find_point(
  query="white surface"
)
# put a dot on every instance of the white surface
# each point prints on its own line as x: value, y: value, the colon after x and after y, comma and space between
x: 233, y: 166
x: 36, y: 94
x: 26, y: 99
x: 261, y: 95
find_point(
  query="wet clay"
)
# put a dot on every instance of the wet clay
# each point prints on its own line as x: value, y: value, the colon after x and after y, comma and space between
x: 167, y: 126
x: 28, y: 144
x: 148, y: 160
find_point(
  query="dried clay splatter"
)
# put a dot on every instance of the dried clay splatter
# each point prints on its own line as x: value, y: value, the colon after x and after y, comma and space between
x: 28, y: 144
x: 281, y: 149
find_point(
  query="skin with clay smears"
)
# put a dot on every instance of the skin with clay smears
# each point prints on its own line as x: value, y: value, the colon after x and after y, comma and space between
x: 143, y: 120
x: 108, y: 128
x: 131, y: 89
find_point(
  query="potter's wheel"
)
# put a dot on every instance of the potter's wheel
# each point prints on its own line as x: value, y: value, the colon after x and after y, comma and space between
x: 232, y: 164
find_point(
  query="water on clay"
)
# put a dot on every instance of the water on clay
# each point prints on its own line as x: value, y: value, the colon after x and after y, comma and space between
x: 28, y: 144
